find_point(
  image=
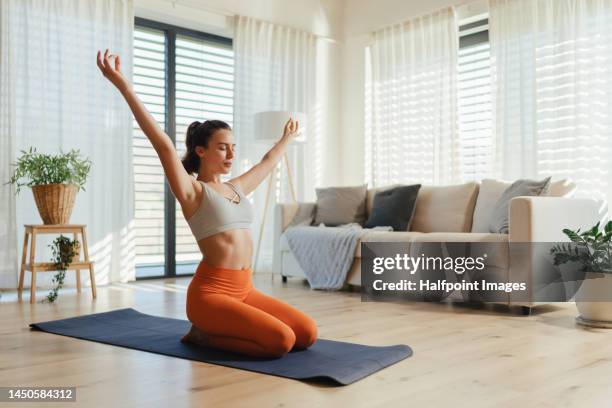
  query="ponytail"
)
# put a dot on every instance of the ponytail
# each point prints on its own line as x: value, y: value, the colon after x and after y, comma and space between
x: 190, y: 160
x: 198, y: 134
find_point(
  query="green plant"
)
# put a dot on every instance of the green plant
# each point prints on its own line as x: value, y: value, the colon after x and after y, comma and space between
x: 64, y: 250
x: 591, y: 248
x: 39, y: 168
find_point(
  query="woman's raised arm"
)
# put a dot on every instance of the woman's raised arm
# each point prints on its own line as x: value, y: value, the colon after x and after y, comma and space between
x: 181, y: 183
x: 255, y: 175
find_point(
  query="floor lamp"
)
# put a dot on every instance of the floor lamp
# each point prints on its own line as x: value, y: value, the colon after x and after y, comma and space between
x: 268, y: 130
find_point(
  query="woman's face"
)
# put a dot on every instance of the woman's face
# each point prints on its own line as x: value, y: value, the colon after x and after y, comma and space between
x: 219, y: 154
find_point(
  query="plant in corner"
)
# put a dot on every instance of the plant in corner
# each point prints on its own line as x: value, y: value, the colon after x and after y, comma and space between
x: 592, y: 250
x: 65, y: 251
x: 54, y: 179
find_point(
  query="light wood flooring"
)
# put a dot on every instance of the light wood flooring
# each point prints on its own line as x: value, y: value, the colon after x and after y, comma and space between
x: 463, y: 356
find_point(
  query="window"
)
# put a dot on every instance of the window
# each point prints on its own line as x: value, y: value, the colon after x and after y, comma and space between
x: 181, y: 76
x: 474, y: 95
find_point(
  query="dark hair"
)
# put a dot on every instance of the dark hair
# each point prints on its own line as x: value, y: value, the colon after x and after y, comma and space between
x: 198, y: 134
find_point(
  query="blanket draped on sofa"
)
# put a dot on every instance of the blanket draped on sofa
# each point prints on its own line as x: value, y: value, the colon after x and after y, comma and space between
x: 325, y: 254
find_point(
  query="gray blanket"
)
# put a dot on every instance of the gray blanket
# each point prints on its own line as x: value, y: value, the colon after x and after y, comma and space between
x: 325, y: 254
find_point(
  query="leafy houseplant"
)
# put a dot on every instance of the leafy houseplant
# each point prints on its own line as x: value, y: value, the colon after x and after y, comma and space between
x: 65, y: 251
x: 592, y: 249
x: 54, y: 179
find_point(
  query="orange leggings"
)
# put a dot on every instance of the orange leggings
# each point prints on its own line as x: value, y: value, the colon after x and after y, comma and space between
x: 237, y: 317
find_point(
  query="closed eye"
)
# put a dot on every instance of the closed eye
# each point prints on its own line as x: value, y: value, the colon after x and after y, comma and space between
x: 227, y: 144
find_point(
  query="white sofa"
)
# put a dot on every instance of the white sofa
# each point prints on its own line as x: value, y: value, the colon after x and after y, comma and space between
x: 459, y: 213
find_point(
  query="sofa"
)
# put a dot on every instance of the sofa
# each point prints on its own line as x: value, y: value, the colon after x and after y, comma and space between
x: 460, y: 213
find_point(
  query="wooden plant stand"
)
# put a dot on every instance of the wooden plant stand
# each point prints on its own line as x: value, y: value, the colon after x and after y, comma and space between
x: 34, y: 230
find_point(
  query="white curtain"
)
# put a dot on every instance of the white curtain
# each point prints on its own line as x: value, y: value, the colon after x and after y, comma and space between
x: 411, y: 107
x: 54, y: 98
x: 552, y: 75
x: 274, y: 70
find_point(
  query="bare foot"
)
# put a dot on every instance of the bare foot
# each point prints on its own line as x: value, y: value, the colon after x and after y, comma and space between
x: 195, y: 336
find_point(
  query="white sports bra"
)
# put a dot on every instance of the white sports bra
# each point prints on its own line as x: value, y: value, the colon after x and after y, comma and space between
x: 217, y: 213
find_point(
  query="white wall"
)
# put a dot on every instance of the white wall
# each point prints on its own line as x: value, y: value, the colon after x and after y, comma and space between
x: 321, y: 17
x: 360, y: 18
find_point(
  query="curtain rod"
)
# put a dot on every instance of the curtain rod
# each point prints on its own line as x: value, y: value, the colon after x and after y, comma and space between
x: 454, y: 7
x: 228, y: 13
x: 200, y: 7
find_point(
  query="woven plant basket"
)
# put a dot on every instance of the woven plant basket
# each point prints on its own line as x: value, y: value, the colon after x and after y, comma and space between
x: 55, y: 202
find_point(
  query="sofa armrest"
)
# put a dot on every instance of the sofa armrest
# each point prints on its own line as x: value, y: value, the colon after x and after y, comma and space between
x: 291, y: 213
x: 542, y: 219
x: 286, y: 214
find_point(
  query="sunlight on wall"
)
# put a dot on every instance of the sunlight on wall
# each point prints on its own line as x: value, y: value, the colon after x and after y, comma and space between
x: 100, y: 250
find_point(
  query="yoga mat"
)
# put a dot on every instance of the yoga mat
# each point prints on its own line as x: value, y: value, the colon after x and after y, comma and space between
x: 342, y: 363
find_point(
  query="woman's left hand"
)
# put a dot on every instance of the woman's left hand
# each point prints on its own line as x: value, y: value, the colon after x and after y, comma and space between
x: 291, y: 128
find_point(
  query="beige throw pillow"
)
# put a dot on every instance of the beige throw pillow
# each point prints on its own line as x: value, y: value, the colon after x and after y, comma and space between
x: 445, y: 208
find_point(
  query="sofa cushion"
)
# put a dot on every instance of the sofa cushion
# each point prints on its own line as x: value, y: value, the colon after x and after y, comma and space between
x: 524, y: 187
x: 445, y: 208
x: 394, y: 207
x: 491, y: 190
x: 390, y: 236
x: 386, y: 236
x: 495, y: 246
x: 491, y: 244
x: 341, y: 205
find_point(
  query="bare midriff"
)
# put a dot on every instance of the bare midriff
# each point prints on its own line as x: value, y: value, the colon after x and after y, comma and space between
x: 231, y: 249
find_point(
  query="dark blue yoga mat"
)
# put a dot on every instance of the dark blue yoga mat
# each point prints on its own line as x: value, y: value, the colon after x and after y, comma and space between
x: 341, y: 362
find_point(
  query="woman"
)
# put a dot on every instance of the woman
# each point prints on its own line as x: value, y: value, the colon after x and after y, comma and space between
x: 225, y: 310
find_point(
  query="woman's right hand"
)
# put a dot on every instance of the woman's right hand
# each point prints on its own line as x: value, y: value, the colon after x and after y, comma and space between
x: 291, y: 128
x: 111, y: 69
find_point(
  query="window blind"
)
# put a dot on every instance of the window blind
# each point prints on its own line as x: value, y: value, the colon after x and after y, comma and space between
x: 474, y: 99
x: 181, y: 76
x: 149, y: 84
x: 204, y: 90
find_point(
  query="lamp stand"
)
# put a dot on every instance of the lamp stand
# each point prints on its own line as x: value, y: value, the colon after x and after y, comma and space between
x: 263, y: 221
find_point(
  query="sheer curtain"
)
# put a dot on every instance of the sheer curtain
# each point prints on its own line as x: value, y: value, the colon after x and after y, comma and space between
x: 274, y: 70
x: 411, y: 102
x: 52, y: 98
x: 552, y: 75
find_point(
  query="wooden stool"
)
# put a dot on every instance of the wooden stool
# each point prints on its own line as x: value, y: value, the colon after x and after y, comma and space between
x: 33, y: 267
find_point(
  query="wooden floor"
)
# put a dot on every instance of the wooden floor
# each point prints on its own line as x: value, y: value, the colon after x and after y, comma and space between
x: 463, y: 357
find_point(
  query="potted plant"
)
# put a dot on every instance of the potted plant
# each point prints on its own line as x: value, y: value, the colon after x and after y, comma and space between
x: 54, y: 179
x: 65, y: 251
x: 592, y: 250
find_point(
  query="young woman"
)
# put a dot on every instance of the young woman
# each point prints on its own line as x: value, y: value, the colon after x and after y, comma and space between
x: 225, y: 310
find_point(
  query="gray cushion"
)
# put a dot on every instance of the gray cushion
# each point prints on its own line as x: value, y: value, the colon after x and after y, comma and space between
x: 394, y: 208
x: 523, y: 187
x: 341, y: 205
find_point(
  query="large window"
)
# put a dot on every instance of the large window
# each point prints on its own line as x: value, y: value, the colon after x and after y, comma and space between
x: 181, y: 76
x: 474, y: 94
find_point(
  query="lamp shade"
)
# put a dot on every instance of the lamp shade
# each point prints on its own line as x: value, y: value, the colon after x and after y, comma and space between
x: 269, y: 125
